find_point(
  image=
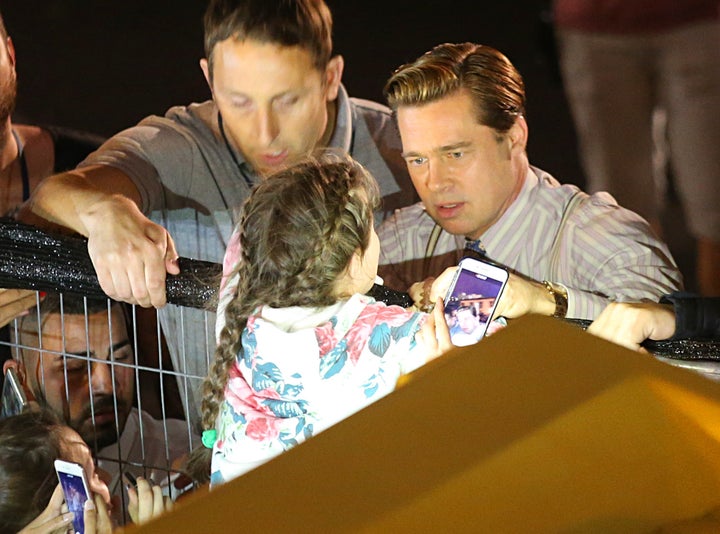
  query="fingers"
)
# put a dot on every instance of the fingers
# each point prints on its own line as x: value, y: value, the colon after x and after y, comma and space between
x: 15, y: 303
x: 442, y: 332
x: 619, y: 325
x: 158, y: 501
x: 90, y: 517
x: 146, y: 501
x: 104, y: 523
x: 434, y: 333
x: 131, y: 261
x: 171, y: 256
x: 97, y: 518
x: 442, y: 283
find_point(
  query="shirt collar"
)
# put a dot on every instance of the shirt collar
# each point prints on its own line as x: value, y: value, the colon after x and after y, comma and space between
x: 342, y: 135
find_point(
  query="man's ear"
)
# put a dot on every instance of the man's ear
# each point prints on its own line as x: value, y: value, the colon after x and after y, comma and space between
x: 333, y: 76
x: 518, y: 134
x: 15, y: 365
x: 205, y: 67
x: 11, y: 51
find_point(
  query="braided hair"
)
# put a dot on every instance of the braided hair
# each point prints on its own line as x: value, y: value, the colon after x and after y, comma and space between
x: 299, y: 229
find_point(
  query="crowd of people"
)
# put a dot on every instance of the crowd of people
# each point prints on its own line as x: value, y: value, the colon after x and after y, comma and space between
x: 305, y: 195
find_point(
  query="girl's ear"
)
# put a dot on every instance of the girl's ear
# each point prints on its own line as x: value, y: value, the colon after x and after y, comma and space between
x: 346, y: 282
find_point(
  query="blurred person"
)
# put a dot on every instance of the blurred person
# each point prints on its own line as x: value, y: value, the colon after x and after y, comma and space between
x: 460, y: 109
x: 31, y: 500
x: 170, y: 185
x: 81, y: 367
x: 625, y: 64
x: 470, y: 327
x: 28, y: 153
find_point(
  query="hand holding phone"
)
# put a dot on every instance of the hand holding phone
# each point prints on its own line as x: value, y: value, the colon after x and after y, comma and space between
x: 471, y: 300
x: 75, y: 487
x: 13, y: 397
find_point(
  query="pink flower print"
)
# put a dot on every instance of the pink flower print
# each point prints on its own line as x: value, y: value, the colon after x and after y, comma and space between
x: 232, y: 256
x: 325, y: 335
x: 262, y: 429
x: 373, y: 315
x: 242, y: 398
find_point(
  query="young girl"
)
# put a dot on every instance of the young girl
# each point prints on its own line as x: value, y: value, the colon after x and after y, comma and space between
x: 302, y: 347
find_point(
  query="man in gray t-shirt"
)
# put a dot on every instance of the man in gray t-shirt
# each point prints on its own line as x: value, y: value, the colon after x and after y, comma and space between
x: 169, y: 186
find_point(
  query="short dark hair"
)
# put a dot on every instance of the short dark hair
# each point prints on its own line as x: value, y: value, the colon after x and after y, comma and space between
x: 304, y: 23
x: 495, y: 85
x: 68, y: 304
x: 29, y: 444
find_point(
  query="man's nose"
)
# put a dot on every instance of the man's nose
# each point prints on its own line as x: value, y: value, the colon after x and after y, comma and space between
x: 437, y: 177
x: 102, y: 378
x: 267, y: 126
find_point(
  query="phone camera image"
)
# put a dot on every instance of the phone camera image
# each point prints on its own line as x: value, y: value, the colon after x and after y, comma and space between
x: 72, y: 481
x: 471, y: 301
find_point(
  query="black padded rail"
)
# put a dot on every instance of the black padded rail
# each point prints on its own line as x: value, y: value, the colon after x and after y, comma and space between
x: 33, y: 259
x: 678, y: 349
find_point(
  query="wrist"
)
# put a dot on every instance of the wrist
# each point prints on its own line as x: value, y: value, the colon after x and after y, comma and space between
x: 556, y: 299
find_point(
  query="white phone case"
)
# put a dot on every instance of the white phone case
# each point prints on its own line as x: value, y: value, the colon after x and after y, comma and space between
x: 472, y: 298
x: 75, y: 487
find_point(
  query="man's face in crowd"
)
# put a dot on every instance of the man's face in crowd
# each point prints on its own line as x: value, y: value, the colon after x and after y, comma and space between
x: 59, y: 374
x: 8, y: 80
x: 273, y: 100
x: 463, y: 171
x: 467, y: 321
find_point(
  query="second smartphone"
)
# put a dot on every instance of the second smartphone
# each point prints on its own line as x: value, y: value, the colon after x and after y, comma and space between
x: 471, y: 300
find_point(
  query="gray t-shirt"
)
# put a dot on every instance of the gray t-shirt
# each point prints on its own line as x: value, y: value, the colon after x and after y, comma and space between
x: 191, y: 181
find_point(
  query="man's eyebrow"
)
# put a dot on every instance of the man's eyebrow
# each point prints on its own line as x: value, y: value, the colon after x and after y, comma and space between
x: 116, y: 347
x: 454, y: 146
x: 443, y: 148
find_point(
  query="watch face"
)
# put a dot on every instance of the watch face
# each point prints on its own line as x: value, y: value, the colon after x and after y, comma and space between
x: 560, y: 295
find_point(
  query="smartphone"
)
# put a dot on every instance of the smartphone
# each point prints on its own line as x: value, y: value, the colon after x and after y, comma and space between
x: 74, y: 485
x: 13, y: 399
x: 471, y: 300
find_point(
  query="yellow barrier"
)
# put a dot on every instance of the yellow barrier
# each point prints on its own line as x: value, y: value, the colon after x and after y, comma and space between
x: 540, y: 428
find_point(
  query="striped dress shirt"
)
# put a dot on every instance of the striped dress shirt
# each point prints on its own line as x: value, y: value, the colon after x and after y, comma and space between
x: 596, y: 249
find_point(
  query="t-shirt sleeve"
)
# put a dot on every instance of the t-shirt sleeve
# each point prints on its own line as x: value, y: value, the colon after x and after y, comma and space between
x: 155, y: 155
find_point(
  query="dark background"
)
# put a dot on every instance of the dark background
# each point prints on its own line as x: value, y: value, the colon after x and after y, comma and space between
x: 102, y: 66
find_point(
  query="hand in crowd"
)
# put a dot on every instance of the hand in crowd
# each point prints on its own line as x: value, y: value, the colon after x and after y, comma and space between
x: 435, y: 287
x: 630, y: 323
x: 434, y: 333
x: 146, y: 502
x: 522, y: 296
x: 131, y: 254
x: 56, y: 519
x: 15, y: 303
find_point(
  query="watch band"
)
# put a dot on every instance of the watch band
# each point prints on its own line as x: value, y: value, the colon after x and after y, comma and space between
x: 559, y: 293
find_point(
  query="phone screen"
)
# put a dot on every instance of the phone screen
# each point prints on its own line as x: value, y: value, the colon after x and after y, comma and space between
x: 13, y: 399
x: 75, y: 496
x: 471, y: 301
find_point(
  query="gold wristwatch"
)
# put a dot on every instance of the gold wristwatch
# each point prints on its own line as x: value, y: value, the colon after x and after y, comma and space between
x: 559, y: 293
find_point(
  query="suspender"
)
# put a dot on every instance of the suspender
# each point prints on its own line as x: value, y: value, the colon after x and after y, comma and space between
x: 557, y: 243
x: 431, y: 245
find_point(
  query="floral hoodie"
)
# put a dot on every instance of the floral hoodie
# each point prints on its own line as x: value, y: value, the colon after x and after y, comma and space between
x: 303, y: 370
